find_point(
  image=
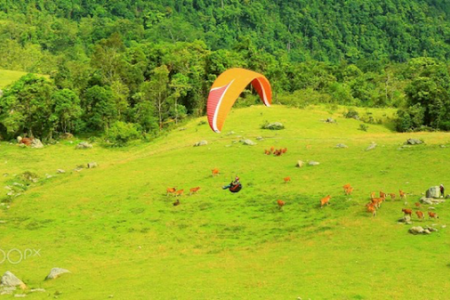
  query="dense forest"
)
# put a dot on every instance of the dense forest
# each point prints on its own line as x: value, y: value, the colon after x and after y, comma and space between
x: 132, y: 67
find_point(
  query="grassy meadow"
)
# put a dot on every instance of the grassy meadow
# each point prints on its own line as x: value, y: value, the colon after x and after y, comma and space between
x: 7, y: 77
x: 120, y: 236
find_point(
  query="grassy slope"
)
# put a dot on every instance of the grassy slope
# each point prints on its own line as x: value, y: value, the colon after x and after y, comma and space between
x: 115, y: 229
x: 7, y: 77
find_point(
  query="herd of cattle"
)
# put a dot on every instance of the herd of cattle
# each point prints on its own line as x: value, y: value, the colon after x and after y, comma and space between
x: 372, y: 207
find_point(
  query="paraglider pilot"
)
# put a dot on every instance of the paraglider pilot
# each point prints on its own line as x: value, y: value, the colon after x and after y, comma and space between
x: 232, y: 184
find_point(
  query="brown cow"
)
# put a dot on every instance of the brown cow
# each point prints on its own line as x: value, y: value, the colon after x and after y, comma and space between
x: 170, y: 191
x: 402, y: 194
x: 194, y: 190
x: 179, y: 193
x: 419, y: 214
x: 433, y: 215
x: 392, y: 196
x: 371, y: 208
x: 280, y: 204
x: 348, y: 191
x: 407, y: 211
x: 26, y: 141
x: 215, y: 172
x: 325, y: 200
x: 287, y: 179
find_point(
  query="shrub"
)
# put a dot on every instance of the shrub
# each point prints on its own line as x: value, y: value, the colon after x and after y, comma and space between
x: 120, y: 133
x: 351, y: 114
x: 363, y: 127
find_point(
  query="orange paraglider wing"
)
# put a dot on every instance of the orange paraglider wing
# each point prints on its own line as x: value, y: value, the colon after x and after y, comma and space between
x: 227, y: 88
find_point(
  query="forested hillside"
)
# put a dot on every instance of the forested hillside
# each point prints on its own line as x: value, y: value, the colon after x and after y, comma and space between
x: 140, y: 66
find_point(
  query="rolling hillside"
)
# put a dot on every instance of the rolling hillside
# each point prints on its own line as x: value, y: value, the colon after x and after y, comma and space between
x: 120, y: 236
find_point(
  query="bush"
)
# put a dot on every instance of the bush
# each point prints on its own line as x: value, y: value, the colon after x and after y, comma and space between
x: 351, y: 114
x: 403, y: 123
x: 121, y: 133
x: 363, y: 127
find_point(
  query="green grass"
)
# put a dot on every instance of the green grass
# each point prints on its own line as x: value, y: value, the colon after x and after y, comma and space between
x: 7, y: 77
x: 118, y: 233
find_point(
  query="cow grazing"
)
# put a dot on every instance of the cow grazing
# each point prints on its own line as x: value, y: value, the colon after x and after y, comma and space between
x: 287, y: 179
x: 419, y: 214
x: 407, y: 211
x: 194, y: 190
x: 432, y: 215
x: 402, y: 194
x: 383, y: 195
x: 325, y: 200
x: 179, y: 193
x: 371, y: 208
x: 392, y: 196
x: 372, y: 195
x: 417, y: 204
x: 26, y: 141
x: 215, y: 172
x: 348, y: 191
x: 280, y: 204
x: 170, y: 191
x: 284, y: 150
x: 377, y: 202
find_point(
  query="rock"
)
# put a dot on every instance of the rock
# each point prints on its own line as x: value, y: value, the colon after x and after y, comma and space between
x: 20, y: 295
x: 447, y: 197
x: 406, y: 219
x: 443, y: 146
x: 433, y: 192
x: 274, y: 126
x: 182, y: 129
x: 83, y: 145
x: 67, y: 136
x: 230, y: 133
x: 92, y: 165
x: 248, y: 142
x: 19, y: 138
x: 431, y: 208
x: 55, y: 273
x: 426, y: 231
x: 371, y: 146
x: 413, y: 142
x: 37, y: 144
x: 426, y: 200
x: 313, y: 163
x: 330, y: 120
x: 201, y: 143
x: 300, y: 164
x: 60, y: 171
x: 9, y: 279
x: 37, y: 290
x: 341, y: 146
x: 416, y: 230
x: 260, y: 138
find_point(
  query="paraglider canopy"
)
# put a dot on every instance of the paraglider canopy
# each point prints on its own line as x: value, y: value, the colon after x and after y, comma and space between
x: 227, y: 88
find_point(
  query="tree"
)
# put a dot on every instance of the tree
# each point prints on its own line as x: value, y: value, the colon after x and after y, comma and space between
x: 67, y: 109
x: 26, y: 107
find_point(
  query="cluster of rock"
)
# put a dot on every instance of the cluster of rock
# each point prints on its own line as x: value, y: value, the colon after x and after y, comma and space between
x: 421, y: 230
x: 273, y: 126
x: 84, y: 145
x: 413, y: 142
x: 301, y: 163
x: 9, y: 282
x: 201, y: 143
